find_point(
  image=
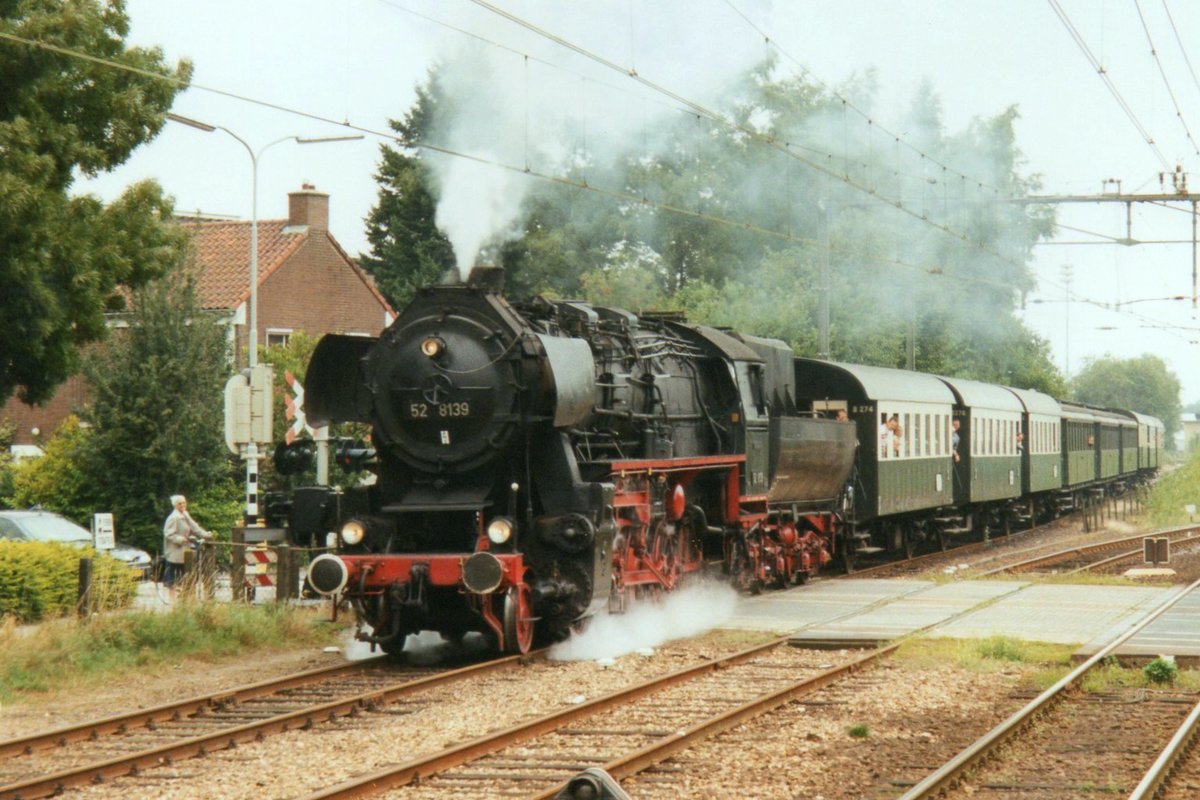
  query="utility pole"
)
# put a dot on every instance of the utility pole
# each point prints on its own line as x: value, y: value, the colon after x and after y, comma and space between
x: 911, y: 346
x: 824, y: 289
x: 1068, y: 272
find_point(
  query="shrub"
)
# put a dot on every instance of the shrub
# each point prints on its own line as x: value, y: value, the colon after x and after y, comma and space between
x: 1161, y: 670
x: 39, y: 580
x: 1002, y: 648
x: 859, y: 731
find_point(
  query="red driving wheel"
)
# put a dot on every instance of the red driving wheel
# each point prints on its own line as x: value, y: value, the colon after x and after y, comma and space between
x: 518, y: 619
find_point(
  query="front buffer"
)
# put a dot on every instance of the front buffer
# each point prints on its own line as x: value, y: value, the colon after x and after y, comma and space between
x: 399, y: 594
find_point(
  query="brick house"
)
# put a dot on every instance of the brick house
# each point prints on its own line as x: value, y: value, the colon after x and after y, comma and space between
x: 306, y: 282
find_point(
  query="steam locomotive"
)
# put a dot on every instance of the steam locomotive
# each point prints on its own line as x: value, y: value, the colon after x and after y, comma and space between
x: 537, y: 462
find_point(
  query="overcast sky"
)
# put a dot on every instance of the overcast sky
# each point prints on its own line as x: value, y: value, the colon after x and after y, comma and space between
x: 358, y: 61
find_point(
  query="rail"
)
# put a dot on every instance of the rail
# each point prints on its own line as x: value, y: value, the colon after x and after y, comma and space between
x: 133, y: 763
x: 946, y: 776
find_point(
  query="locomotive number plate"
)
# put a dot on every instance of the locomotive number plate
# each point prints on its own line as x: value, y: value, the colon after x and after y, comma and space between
x: 438, y: 410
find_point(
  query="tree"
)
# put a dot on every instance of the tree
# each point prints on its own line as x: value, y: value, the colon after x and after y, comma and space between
x: 157, y: 393
x: 735, y: 224
x: 1143, y: 384
x: 57, y: 480
x: 66, y: 259
x: 407, y: 249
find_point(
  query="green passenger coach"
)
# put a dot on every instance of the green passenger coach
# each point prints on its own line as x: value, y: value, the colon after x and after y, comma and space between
x: 904, y: 464
x: 1041, y: 453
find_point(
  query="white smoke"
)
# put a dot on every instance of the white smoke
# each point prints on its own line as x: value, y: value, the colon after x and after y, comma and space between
x: 688, y: 612
x: 503, y: 108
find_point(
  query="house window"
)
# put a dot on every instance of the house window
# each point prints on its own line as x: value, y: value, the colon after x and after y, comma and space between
x: 278, y: 337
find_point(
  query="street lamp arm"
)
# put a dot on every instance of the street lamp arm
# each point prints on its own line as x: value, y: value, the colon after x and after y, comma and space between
x: 251, y: 453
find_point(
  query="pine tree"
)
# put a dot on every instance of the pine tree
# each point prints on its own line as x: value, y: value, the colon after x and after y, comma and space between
x: 407, y: 249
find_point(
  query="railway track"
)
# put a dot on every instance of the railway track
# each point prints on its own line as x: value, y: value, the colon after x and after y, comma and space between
x: 1067, y: 743
x: 1096, y: 556
x: 996, y: 547
x: 1007, y: 553
x: 46, y: 763
x: 622, y: 732
x: 1175, y: 774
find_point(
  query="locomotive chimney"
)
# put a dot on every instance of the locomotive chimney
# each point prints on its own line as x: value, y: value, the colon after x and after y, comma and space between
x: 309, y: 207
x: 488, y: 278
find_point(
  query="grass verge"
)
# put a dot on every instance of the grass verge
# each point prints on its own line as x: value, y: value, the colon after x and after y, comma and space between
x: 1172, y: 493
x: 68, y: 654
x: 992, y: 654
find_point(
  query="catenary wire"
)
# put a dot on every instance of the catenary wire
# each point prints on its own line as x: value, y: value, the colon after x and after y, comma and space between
x: 581, y: 185
x: 1179, y: 41
x: 783, y: 147
x: 774, y: 43
x: 1104, y: 77
x: 1162, y: 71
x: 450, y: 152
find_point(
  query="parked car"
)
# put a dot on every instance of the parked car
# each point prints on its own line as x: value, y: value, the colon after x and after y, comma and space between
x: 46, y: 526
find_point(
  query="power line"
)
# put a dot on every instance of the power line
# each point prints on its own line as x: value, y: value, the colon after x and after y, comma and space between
x: 581, y: 185
x: 1158, y: 62
x: 850, y: 104
x: 845, y: 158
x: 783, y: 147
x: 1179, y: 41
x: 1103, y: 73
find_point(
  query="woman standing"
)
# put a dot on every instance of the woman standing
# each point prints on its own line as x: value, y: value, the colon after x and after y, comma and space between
x: 179, y: 532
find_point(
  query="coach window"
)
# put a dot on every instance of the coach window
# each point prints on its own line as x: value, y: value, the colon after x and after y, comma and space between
x: 916, y: 435
x: 907, y: 437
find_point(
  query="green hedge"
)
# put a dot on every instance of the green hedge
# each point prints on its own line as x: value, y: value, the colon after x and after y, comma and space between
x: 42, y: 580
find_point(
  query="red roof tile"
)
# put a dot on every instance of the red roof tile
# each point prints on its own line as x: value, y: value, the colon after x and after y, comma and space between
x: 221, y: 256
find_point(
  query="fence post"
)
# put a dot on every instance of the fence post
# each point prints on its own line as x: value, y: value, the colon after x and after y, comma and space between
x: 208, y: 570
x: 283, y: 570
x: 237, y: 566
x: 186, y: 587
x: 84, y: 599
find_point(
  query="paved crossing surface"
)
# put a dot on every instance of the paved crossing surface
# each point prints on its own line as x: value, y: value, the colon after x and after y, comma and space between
x: 863, y: 612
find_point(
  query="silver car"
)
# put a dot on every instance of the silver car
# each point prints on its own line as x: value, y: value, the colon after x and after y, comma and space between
x: 46, y: 526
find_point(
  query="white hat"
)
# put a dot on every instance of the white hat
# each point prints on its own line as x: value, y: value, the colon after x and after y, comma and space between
x: 176, y: 499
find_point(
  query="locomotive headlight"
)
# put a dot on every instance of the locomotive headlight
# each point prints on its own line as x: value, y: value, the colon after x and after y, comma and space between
x: 353, y: 532
x: 433, y: 347
x: 500, y: 530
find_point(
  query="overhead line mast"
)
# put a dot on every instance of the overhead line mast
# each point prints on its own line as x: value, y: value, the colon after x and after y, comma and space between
x: 1180, y: 195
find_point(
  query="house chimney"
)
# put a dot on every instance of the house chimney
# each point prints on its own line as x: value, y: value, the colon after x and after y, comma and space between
x: 308, y: 207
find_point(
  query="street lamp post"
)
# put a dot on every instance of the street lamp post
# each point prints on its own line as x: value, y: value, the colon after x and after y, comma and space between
x: 251, y: 451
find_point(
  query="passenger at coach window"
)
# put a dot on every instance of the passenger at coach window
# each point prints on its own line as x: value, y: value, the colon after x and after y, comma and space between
x: 897, y: 433
x: 1020, y: 442
x: 954, y: 439
x: 180, y: 531
x: 842, y: 416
